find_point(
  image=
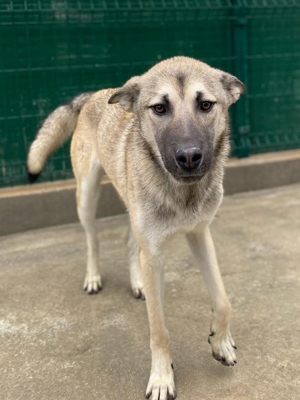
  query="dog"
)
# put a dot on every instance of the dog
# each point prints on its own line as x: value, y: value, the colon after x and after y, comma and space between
x: 163, y: 140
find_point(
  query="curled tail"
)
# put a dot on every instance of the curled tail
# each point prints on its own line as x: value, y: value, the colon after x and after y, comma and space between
x: 57, y: 128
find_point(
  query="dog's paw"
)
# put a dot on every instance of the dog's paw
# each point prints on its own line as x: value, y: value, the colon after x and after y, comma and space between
x: 92, y: 284
x: 223, y: 348
x: 139, y: 293
x: 161, y: 385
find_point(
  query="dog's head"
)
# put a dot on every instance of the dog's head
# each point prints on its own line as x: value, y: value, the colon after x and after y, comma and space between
x: 182, y: 105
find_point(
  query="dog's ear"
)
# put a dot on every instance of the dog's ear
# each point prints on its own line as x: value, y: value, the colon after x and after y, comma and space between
x: 233, y: 87
x: 127, y: 94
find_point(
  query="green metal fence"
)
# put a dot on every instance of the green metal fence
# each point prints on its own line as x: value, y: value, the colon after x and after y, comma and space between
x: 51, y: 50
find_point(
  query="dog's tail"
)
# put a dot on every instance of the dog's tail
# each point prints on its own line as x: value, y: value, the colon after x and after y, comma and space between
x: 57, y: 128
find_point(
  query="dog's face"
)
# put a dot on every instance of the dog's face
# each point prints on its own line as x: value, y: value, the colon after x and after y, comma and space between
x: 182, y: 105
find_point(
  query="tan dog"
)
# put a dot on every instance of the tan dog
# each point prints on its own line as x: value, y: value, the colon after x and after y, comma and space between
x: 163, y: 139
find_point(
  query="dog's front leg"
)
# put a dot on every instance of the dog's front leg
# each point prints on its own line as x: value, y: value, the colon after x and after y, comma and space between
x: 161, y: 381
x: 220, y: 338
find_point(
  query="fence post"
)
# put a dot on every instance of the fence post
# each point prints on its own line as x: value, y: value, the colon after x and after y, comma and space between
x: 241, y: 127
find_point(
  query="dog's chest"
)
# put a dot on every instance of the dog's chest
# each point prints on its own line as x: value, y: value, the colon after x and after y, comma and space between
x: 183, y: 213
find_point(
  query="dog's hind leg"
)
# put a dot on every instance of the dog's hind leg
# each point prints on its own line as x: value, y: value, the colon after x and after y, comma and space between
x: 220, y: 338
x: 135, y: 266
x: 88, y: 189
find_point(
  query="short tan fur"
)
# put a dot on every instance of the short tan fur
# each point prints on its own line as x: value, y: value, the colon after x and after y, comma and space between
x: 163, y: 140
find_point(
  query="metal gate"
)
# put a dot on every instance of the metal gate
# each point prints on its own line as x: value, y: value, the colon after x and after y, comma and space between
x: 51, y: 50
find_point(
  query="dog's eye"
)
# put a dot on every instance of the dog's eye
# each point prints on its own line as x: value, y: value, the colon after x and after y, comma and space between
x: 159, y: 109
x: 206, y: 105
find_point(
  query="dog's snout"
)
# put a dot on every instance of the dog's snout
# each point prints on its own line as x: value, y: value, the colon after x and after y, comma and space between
x: 189, y: 159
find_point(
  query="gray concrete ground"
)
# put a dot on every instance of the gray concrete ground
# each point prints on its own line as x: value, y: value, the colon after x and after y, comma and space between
x: 58, y: 343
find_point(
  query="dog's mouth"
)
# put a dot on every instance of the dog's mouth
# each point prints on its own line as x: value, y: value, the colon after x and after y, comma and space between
x: 188, y: 179
x: 191, y: 177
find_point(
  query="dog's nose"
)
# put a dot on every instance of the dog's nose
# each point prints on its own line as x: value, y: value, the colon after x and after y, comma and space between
x: 189, y: 159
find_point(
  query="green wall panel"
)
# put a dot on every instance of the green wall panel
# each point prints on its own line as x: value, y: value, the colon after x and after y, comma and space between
x: 52, y: 50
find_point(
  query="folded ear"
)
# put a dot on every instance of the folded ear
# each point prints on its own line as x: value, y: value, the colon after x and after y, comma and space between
x: 127, y: 94
x: 233, y: 87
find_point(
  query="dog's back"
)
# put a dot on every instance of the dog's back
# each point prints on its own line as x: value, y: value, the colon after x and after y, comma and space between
x: 99, y: 131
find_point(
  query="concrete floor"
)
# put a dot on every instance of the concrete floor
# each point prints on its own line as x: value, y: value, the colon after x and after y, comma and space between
x: 58, y: 343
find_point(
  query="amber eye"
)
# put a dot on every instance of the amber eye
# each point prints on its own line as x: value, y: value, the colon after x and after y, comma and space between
x: 159, y: 109
x: 206, y: 105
